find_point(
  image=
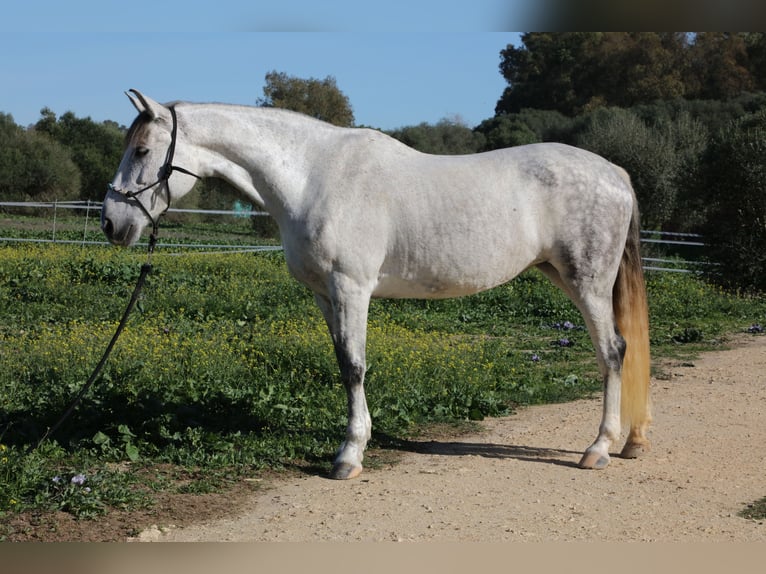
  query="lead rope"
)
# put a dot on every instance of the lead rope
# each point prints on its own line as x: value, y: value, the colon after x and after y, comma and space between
x: 146, y: 268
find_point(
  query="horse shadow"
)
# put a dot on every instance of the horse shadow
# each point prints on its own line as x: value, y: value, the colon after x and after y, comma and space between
x: 553, y: 456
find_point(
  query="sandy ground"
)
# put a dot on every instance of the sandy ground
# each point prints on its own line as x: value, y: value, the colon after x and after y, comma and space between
x: 518, y: 481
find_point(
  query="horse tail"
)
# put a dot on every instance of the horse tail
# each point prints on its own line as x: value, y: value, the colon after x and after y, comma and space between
x: 632, y: 317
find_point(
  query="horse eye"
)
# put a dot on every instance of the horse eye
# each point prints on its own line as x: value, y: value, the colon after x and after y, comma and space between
x: 142, y: 151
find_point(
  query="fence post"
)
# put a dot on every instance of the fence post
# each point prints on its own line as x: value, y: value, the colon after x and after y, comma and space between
x: 85, y: 228
x: 55, y: 210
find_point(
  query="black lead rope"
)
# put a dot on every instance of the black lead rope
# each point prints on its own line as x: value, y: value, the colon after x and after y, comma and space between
x: 167, y: 170
x: 146, y: 268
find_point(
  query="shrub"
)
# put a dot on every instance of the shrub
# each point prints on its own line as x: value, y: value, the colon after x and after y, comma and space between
x: 35, y: 167
x: 735, y: 175
x: 506, y: 131
x: 446, y: 137
x: 657, y: 156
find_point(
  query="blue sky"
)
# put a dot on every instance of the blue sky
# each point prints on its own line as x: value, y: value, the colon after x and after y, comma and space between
x: 402, y: 64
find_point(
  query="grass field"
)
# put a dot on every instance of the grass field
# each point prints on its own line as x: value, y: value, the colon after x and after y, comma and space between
x: 226, y: 367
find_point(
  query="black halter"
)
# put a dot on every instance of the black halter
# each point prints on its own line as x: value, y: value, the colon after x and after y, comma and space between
x: 163, y: 180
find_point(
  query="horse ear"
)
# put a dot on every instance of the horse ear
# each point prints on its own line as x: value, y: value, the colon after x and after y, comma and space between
x: 133, y: 100
x: 146, y: 104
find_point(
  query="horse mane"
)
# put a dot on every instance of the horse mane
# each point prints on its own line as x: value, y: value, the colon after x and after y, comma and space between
x: 140, y: 120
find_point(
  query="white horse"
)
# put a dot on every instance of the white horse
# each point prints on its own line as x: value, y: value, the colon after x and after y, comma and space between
x: 362, y: 215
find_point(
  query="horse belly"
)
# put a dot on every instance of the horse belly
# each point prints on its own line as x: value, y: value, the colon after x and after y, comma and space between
x: 393, y: 287
x: 451, y: 272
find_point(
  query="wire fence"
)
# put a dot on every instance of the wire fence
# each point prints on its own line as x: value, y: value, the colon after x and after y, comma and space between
x: 675, y: 242
x: 91, y: 222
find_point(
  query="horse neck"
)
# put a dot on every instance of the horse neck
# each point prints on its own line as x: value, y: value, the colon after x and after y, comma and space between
x: 264, y: 153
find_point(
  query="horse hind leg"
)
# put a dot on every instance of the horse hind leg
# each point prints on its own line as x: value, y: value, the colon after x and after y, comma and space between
x: 610, y: 348
x: 595, y: 304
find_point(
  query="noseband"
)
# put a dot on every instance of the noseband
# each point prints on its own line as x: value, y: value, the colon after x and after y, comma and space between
x: 163, y: 180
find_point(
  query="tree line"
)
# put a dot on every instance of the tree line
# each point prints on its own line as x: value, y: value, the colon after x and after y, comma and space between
x: 578, y: 71
x: 61, y: 158
x: 684, y: 114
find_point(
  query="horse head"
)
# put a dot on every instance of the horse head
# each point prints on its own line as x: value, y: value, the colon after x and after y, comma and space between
x: 140, y: 191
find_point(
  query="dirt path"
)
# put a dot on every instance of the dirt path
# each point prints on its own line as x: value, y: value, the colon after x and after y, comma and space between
x: 518, y: 481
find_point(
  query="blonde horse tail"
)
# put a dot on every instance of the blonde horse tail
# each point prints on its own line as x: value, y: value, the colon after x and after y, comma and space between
x: 632, y: 317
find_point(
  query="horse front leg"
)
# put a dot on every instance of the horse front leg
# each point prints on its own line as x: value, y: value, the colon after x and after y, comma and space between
x: 346, y: 314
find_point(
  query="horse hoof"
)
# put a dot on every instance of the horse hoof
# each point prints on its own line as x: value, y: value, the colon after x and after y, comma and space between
x: 345, y: 471
x: 594, y: 460
x: 634, y: 449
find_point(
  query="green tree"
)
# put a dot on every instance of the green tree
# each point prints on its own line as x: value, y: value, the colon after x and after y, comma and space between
x: 506, y: 130
x: 718, y: 66
x: 549, y: 125
x: 658, y: 156
x: 735, y: 179
x: 446, y: 137
x: 527, y: 126
x: 96, y: 148
x: 8, y: 127
x: 545, y: 72
x: 715, y: 115
x: 641, y: 67
x: 321, y: 99
x: 755, y: 43
x: 689, y: 139
x: 33, y: 166
x: 575, y: 72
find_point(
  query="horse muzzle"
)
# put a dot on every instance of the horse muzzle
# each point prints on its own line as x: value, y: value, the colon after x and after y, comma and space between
x: 124, y: 237
x: 119, y: 223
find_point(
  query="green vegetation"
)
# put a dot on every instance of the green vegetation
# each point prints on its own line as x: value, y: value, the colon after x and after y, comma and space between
x: 321, y: 99
x: 756, y: 510
x: 735, y: 179
x: 575, y: 72
x: 227, y: 367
